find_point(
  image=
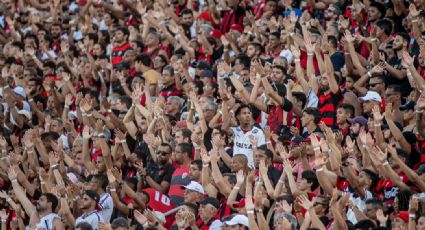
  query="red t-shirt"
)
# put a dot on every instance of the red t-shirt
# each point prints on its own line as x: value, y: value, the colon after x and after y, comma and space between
x: 160, y: 202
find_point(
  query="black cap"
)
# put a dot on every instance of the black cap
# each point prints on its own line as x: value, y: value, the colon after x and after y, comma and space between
x: 212, y: 201
x: 408, y: 106
x: 202, y: 65
x: 92, y: 194
x: 120, y: 222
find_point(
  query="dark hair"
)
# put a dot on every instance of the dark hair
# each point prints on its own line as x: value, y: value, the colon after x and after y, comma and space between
x: 185, y: 132
x: 372, y: 176
x: 198, y: 163
x: 311, y: 177
x: 257, y: 46
x: 50, y: 136
x: 186, y: 11
x: 375, y: 202
x: 364, y: 225
x: 49, y: 64
x: 386, y: 25
x: 314, y: 112
x: 52, y: 199
x: 169, y: 69
x: 395, y: 88
x: 94, y: 37
x: 405, y: 36
x: 163, y: 144
x: 186, y: 148
x: 348, y: 109
x: 287, y: 198
x: 124, y: 30
x: 300, y: 97
x: 268, y: 152
x: 380, y: 76
x: 126, y: 100
x: 244, y: 60
x: 37, y: 80
x: 144, y: 59
x: 102, y: 179
x: 333, y: 41
x: 243, y: 106
x: 84, y: 226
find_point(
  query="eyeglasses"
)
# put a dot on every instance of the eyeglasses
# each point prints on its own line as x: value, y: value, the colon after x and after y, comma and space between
x: 375, y: 84
x: 162, y: 153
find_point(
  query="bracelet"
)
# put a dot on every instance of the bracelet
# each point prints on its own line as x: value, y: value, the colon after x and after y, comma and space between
x: 8, y: 199
x: 385, y: 163
x: 297, y: 60
x: 109, y: 110
x: 364, y: 146
x: 83, y: 114
x: 6, y: 87
x: 291, y: 34
x: 347, y: 53
x: 53, y: 166
x: 369, y: 74
x: 112, y: 190
x: 280, y: 181
x: 31, y: 100
x: 89, y: 114
x: 205, y: 165
x: 250, y: 211
x: 415, y: 20
x: 123, y: 141
x: 145, y: 225
x: 14, y: 180
x: 237, y: 187
x: 310, y: 54
x: 419, y: 111
x: 319, y: 169
x: 259, y: 210
x: 316, y: 149
x: 377, y: 125
x: 412, y: 216
x: 66, y: 107
x: 268, y: 142
x: 374, y: 39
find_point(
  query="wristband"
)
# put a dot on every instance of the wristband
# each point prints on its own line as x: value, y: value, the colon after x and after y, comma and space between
x: 109, y: 110
x: 310, y: 54
x: 369, y: 74
x: 42, y: 182
x: 237, y: 187
x: 14, y: 180
x: 316, y: 149
x: 8, y: 199
x: 319, y: 169
x: 374, y: 39
x: 53, y: 166
x: 6, y: 87
x: 112, y: 190
x: 377, y: 125
x: 280, y: 181
x: 31, y: 100
x: 89, y: 114
x: 412, y: 216
x: 145, y: 225
x: 250, y: 211
x: 385, y: 163
x: 291, y: 34
x: 123, y: 141
x: 205, y: 165
x: 259, y: 210
x: 66, y: 107
x: 297, y: 60
x: 83, y: 114
x: 268, y: 142
x: 415, y: 20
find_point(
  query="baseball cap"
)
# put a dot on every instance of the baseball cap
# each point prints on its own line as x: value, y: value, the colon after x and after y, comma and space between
x: 120, y: 222
x: 238, y: 219
x: 237, y: 27
x: 195, y: 186
x: 408, y: 106
x: 206, y: 16
x: 403, y: 215
x: 212, y: 201
x: 371, y: 96
x: 206, y: 73
x: 358, y: 120
x: 20, y: 91
x: 201, y: 65
x: 92, y: 194
x: 215, y: 33
x: 122, y: 65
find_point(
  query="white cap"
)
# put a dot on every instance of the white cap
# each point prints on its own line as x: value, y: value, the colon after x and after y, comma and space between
x: 371, y: 96
x: 195, y: 186
x: 19, y: 90
x: 238, y: 219
x: 25, y: 113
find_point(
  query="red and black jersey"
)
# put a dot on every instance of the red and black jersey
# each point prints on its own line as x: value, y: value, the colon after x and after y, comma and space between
x: 118, y: 53
x: 327, y: 107
x: 171, y: 91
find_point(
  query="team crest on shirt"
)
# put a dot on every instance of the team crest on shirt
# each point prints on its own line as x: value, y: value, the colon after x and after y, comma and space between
x: 254, y: 131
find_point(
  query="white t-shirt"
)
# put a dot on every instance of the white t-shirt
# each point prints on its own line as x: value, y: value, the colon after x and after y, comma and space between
x: 107, y: 206
x: 93, y: 218
x: 242, y: 144
x: 47, y: 221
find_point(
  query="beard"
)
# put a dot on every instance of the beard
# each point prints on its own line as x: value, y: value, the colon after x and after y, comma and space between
x: 324, y: 88
x: 398, y: 48
x: 40, y: 208
x: 162, y: 162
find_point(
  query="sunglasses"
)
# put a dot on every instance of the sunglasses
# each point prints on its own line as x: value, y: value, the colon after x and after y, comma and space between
x: 162, y: 153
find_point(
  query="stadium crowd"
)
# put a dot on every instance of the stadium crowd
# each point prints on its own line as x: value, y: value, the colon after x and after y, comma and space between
x: 212, y: 114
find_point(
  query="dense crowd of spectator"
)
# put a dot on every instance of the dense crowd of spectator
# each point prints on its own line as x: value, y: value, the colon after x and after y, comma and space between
x: 212, y: 114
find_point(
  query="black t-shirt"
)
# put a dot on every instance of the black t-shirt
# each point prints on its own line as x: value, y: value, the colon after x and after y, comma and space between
x: 163, y: 174
x: 274, y: 175
x: 391, y: 80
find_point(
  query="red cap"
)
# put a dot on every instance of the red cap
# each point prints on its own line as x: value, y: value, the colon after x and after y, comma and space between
x: 205, y: 16
x: 404, y: 215
x: 215, y: 33
x: 236, y: 27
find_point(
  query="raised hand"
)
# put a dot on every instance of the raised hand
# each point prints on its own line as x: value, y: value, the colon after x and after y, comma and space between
x: 86, y: 132
x: 389, y: 111
x: 240, y: 177
x: 309, y: 46
x: 68, y: 100
x: 204, y: 156
x: 377, y: 116
x: 140, y: 218
x: 305, y: 202
x: 348, y: 37
x: 420, y: 104
x: 413, y: 11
